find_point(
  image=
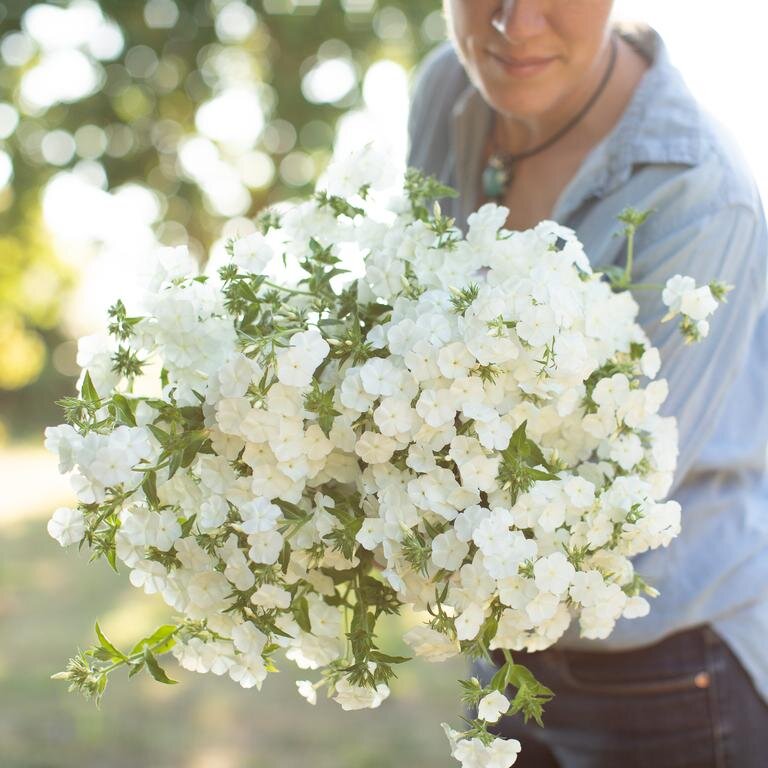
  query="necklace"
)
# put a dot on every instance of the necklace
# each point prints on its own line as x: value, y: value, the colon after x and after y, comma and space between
x: 500, y: 171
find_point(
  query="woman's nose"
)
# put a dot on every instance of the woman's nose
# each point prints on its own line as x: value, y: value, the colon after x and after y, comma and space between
x: 518, y: 20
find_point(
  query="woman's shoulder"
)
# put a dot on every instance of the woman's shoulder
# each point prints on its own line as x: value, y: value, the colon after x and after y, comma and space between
x: 440, y: 71
x: 669, y: 147
x: 722, y: 152
x: 439, y: 82
x: 717, y: 180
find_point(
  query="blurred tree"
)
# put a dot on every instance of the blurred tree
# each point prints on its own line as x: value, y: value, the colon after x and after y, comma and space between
x: 216, y: 107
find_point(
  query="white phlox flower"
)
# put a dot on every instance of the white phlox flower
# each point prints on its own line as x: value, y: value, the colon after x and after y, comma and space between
x: 398, y: 416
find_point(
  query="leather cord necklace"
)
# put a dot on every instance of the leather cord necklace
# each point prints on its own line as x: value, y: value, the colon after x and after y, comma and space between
x: 500, y: 170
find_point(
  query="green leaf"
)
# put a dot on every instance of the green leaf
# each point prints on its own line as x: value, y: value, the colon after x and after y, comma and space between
x: 158, y: 636
x: 198, y: 442
x: 615, y: 275
x: 500, y: 680
x: 538, y: 474
x: 149, y: 486
x: 301, y: 614
x: 155, y: 669
x: 175, y: 463
x: 321, y: 402
x: 633, y: 218
x: 161, y: 436
x: 186, y: 526
x: 111, y: 555
x: 108, y: 647
x: 123, y: 410
x: 517, y: 441
x: 88, y: 391
x: 340, y: 576
x: 285, y: 557
x: 522, y: 447
x: 136, y: 667
x: 387, y: 659
x: 193, y: 415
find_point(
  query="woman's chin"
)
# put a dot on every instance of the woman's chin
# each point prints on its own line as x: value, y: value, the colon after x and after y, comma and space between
x: 523, y: 102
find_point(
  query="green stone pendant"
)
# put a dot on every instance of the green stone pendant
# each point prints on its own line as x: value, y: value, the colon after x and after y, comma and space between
x: 496, y: 178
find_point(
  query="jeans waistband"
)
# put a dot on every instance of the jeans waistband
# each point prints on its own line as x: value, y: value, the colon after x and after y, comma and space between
x: 685, y: 650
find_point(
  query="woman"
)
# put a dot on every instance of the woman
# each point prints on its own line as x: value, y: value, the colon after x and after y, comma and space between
x: 545, y: 107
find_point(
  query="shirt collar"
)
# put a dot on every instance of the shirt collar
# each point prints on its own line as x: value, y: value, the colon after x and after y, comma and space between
x: 661, y: 124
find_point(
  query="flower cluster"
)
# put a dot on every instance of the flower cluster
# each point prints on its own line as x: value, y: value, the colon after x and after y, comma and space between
x: 694, y: 304
x: 471, y: 429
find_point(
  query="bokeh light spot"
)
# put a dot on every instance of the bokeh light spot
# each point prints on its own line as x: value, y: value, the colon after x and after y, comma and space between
x: 279, y: 137
x: 334, y: 49
x: 9, y: 119
x: 61, y: 28
x: 64, y: 358
x: 278, y: 6
x: 316, y: 134
x: 385, y: 88
x: 329, y: 81
x: 91, y: 172
x: 17, y: 49
x: 358, y: 6
x: 161, y: 14
x: 297, y: 169
x: 390, y: 23
x: 234, y: 117
x: 107, y: 42
x: 225, y: 193
x: 168, y: 74
x: 235, y: 22
x: 433, y: 28
x: 166, y: 135
x: 90, y: 142
x: 61, y: 76
x: 6, y: 168
x: 120, y: 140
x: 141, y: 200
x: 133, y: 102
x: 198, y: 156
x: 22, y: 353
x: 141, y: 61
x: 172, y: 233
x: 58, y: 147
x: 256, y: 169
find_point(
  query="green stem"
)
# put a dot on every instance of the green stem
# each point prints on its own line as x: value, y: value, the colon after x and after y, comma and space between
x: 138, y: 656
x: 647, y: 286
x: 348, y: 648
x: 288, y: 290
x: 630, y: 254
x: 507, y: 656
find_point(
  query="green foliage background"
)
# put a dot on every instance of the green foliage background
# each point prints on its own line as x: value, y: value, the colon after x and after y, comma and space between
x: 145, y: 105
x: 47, y: 599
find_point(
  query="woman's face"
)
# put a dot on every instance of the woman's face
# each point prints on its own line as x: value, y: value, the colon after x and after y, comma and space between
x: 527, y: 57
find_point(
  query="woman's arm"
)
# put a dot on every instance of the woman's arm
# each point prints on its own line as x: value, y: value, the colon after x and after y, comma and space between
x: 729, y: 244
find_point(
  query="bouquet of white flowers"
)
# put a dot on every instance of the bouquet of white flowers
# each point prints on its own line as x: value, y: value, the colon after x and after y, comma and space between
x: 470, y: 428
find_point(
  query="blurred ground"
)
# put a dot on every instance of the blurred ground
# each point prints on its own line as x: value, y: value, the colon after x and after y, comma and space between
x: 49, y: 599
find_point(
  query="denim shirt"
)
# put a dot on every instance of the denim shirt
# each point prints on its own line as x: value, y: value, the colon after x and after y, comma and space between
x: 667, y: 155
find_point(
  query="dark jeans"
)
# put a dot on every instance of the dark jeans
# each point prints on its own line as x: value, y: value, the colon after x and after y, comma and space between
x: 685, y: 702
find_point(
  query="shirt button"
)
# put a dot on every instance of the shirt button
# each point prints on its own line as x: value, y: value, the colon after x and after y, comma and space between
x: 702, y: 680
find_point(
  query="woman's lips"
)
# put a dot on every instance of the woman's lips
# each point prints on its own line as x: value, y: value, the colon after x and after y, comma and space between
x: 522, y: 67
